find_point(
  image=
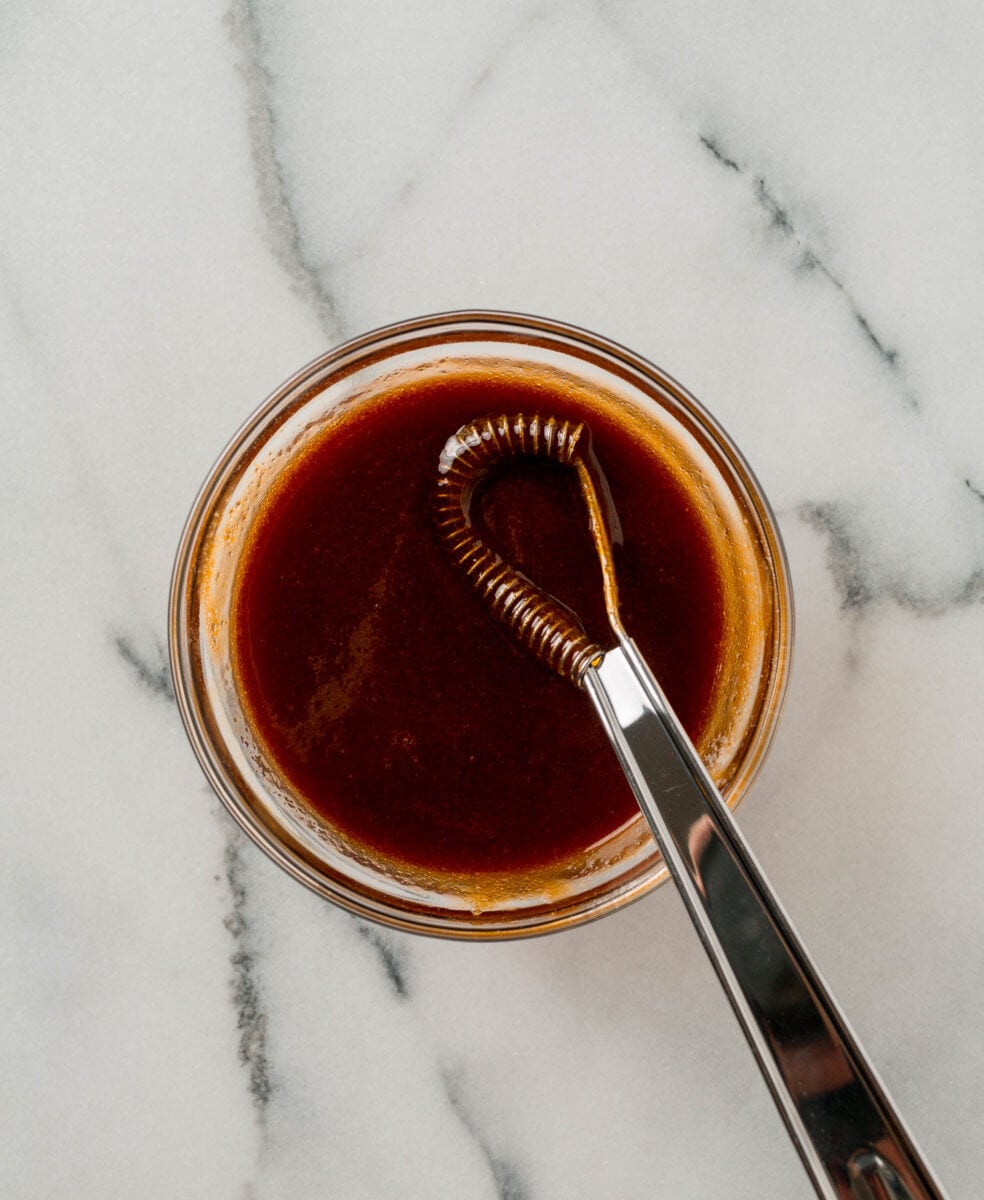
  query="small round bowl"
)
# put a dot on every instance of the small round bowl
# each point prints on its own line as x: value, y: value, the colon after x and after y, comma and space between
x: 606, y: 876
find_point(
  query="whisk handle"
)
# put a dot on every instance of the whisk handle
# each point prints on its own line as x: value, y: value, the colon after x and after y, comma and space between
x: 850, y: 1136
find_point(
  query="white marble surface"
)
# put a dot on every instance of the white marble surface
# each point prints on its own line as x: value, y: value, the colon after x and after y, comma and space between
x: 782, y: 206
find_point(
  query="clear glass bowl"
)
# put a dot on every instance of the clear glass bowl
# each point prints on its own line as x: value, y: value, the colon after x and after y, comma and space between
x: 607, y: 876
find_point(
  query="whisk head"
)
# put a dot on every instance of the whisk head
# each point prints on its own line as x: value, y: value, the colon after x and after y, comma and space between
x: 540, y: 623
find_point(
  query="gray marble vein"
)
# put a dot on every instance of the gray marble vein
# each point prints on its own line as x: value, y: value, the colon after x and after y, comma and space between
x: 247, y: 998
x: 49, y: 395
x: 860, y: 583
x: 391, y: 954
x: 509, y: 1179
x: 154, y: 675
x: 441, y: 136
x: 273, y: 187
x: 811, y: 261
x: 846, y: 563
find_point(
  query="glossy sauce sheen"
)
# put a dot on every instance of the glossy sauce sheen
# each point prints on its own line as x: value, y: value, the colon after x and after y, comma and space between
x: 376, y: 680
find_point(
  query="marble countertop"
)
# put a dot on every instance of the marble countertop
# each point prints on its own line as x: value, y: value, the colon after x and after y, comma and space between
x: 782, y: 206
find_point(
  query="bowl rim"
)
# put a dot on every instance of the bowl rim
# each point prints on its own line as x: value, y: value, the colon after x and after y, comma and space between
x: 182, y: 658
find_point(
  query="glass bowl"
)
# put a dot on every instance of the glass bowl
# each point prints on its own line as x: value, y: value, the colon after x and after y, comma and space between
x: 480, y: 905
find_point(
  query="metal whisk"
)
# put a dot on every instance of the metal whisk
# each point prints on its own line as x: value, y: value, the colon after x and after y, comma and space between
x: 849, y: 1134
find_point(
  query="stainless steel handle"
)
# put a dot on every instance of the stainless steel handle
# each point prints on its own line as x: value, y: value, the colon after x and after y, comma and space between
x: 851, y: 1139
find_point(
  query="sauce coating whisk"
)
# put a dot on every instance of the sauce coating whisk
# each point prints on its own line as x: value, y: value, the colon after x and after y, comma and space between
x: 849, y: 1134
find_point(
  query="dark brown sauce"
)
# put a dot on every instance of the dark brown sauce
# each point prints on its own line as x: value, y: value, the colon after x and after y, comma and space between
x: 377, y: 682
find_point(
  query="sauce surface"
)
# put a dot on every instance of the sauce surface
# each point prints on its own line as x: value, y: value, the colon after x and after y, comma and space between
x: 373, y: 676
